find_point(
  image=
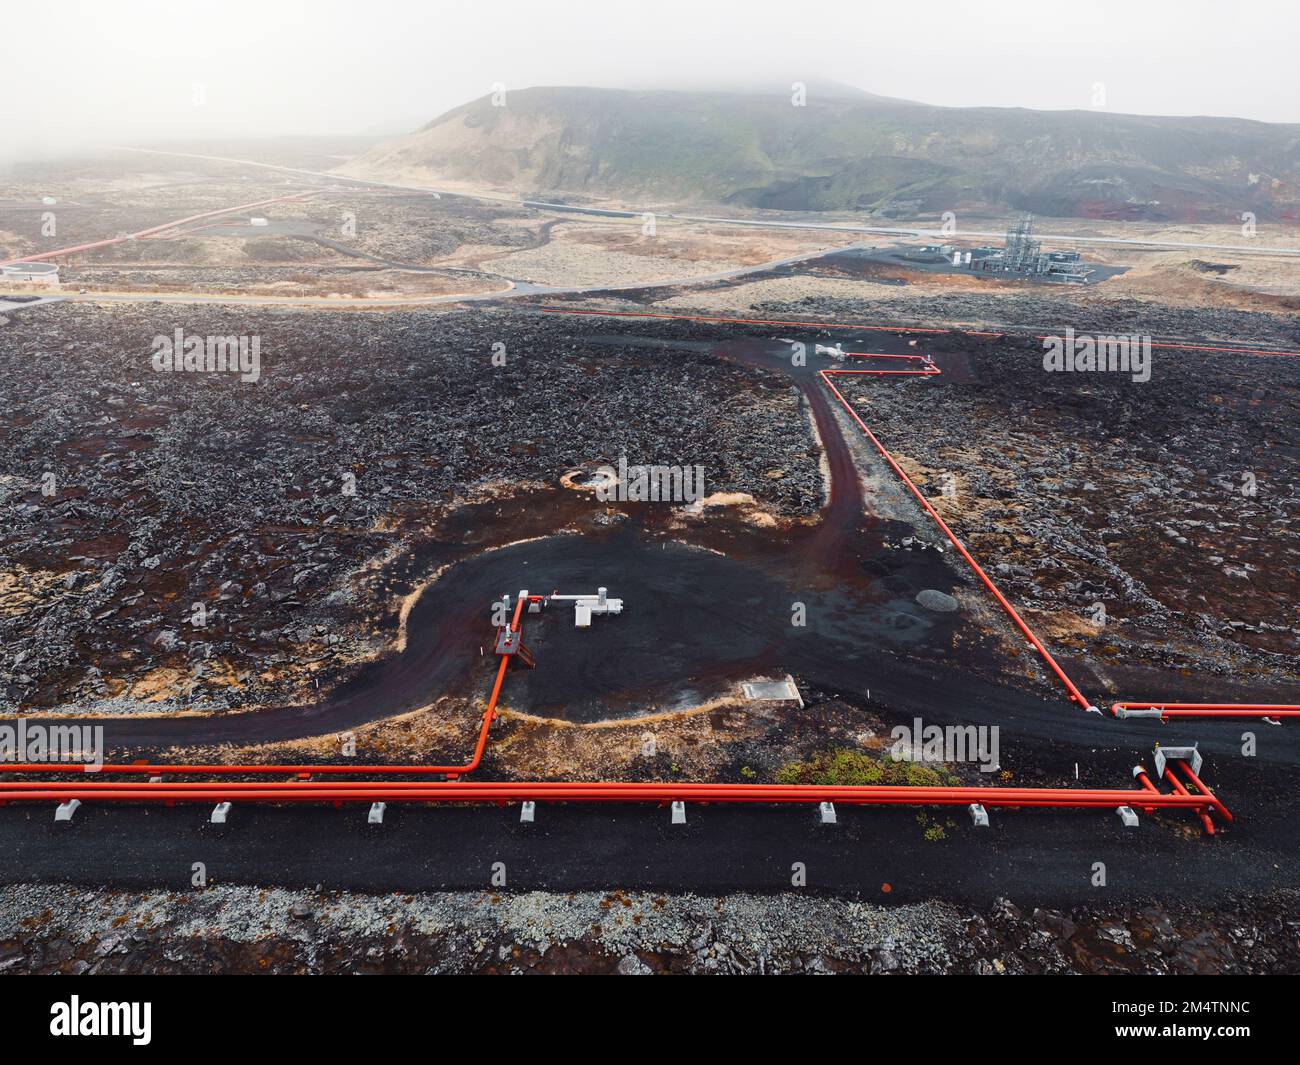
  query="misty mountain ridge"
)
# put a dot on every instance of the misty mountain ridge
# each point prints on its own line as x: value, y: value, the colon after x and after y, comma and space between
x: 847, y: 149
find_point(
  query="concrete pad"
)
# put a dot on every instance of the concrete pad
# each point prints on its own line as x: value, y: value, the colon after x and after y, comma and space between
x: 1164, y: 755
x: 760, y: 690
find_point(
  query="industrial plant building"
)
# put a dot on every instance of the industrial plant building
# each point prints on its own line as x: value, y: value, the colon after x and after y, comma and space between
x: 1023, y: 256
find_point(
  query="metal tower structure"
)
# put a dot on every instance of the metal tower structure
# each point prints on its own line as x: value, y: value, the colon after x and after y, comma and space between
x: 1022, y: 252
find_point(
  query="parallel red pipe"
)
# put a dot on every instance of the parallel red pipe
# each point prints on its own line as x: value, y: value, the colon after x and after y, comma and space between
x: 227, y: 769
x: 544, y: 788
x: 474, y: 791
x: 261, y: 769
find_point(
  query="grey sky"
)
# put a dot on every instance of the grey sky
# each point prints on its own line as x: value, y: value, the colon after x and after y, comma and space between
x: 126, y: 70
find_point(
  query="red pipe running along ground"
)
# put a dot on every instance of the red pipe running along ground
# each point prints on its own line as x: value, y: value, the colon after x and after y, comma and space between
x: 1075, y: 695
x: 1220, y: 710
x: 140, y: 234
x: 455, y: 791
x: 1274, y: 711
x: 452, y: 772
x: 928, y: 368
x: 477, y: 791
x: 541, y: 789
x: 505, y: 792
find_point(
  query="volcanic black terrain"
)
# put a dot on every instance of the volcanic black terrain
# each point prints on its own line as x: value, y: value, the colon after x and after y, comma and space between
x: 343, y: 527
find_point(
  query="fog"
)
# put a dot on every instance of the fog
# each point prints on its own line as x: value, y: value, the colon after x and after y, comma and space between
x: 88, y: 73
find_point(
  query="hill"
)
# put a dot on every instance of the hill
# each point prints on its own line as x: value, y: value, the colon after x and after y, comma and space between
x: 850, y: 150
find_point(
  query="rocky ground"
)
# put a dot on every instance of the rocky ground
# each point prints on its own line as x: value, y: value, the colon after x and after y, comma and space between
x: 1152, y: 521
x: 415, y: 228
x: 130, y: 496
x: 1178, y: 302
x: 1047, y: 310
x: 286, y: 278
x: 61, y: 929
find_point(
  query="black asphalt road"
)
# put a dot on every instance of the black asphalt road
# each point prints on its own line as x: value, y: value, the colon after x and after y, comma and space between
x: 1048, y: 857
